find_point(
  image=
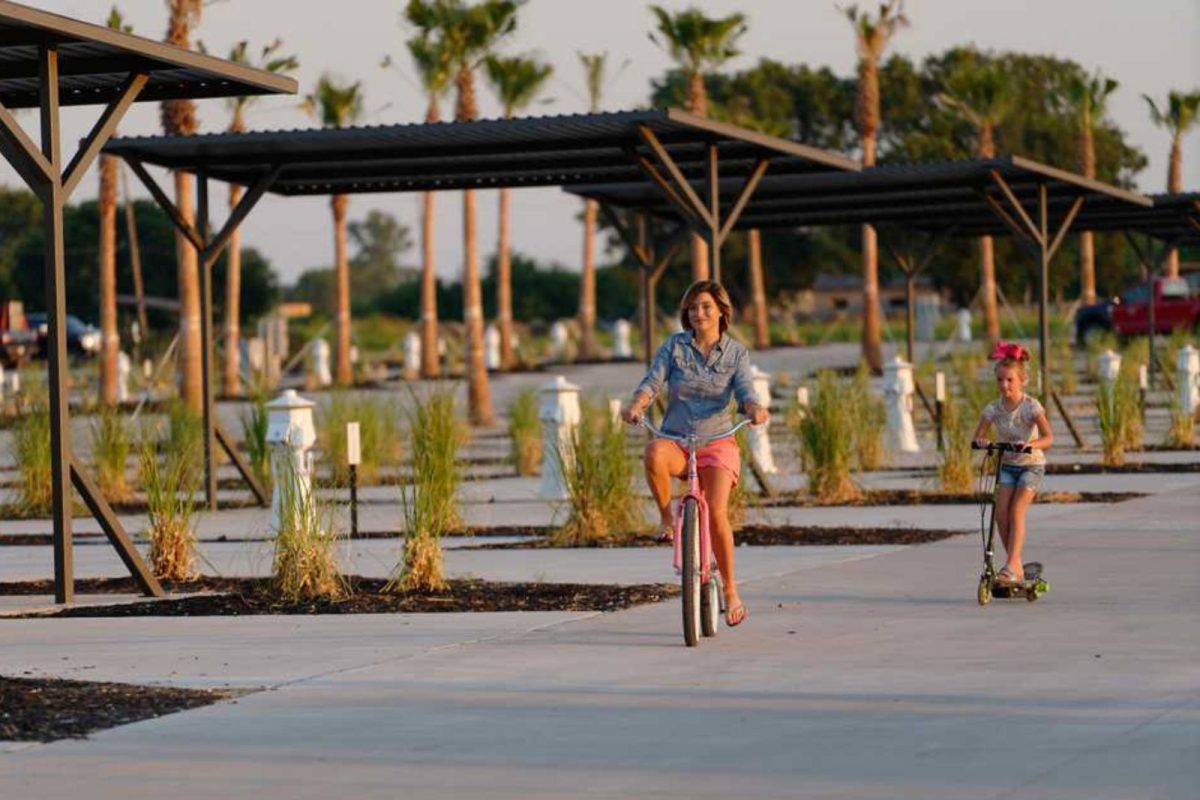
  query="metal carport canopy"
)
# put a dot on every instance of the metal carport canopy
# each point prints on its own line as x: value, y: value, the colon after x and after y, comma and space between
x: 48, y: 61
x: 670, y: 148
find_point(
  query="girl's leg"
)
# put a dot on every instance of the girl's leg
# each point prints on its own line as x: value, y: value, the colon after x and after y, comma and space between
x: 717, y: 484
x: 1021, y: 500
x: 663, y: 460
x: 1004, y: 514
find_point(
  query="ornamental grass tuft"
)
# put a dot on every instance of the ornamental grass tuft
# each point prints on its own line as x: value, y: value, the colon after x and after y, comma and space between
x: 525, y: 432
x: 305, y: 563
x: 170, y: 484
x: 111, y: 446
x: 598, y: 473
x: 954, y: 462
x: 31, y: 443
x: 1119, y: 415
x: 826, y: 434
x: 378, y: 430
x: 871, y: 417
x: 254, y: 436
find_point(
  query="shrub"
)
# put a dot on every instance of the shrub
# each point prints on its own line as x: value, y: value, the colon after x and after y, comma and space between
x: 598, y: 473
x: 1119, y: 415
x: 871, y: 417
x: 170, y: 485
x: 111, y: 446
x: 826, y: 434
x: 31, y: 441
x: 429, y: 503
x: 305, y: 564
x: 378, y: 431
x: 954, y: 462
x: 525, y: 431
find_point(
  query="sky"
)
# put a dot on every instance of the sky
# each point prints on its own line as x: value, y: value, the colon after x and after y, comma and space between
x: 1150, y: 47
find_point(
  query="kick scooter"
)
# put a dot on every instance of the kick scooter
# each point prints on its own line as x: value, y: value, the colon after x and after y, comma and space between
x: 1033, y: 585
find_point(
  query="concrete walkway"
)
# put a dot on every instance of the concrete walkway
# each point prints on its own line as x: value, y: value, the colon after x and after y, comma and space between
x: 874, y: 676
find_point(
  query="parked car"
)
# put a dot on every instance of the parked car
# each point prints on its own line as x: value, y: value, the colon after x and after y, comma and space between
x: 1176, y: 306
x: 17, y: 341
x: 83, y: 340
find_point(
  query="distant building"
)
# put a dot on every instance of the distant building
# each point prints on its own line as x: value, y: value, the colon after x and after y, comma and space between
x: 831, y: 295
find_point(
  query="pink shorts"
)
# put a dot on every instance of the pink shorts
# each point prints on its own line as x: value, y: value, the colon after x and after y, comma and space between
x: 721, y: 453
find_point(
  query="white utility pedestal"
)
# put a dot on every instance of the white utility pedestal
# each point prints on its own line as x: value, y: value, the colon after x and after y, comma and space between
x: 898, y: 399
x: 1187, y: 372
x: 291, y: 436
x: 320, y: 363
x: 124, y: 368
x: 559, y: 414
x: 962, y: 330
x: 621, y: 344
x: 491, y: 347
x: 412, y: 354
x: 560, y: 338
x: 757, y: 436
x: 1109, y: 367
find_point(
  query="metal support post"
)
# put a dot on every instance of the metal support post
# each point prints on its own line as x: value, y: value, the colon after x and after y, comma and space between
x: 206, y: 350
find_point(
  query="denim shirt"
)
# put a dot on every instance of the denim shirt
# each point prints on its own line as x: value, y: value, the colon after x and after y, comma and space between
x: 699, y: 389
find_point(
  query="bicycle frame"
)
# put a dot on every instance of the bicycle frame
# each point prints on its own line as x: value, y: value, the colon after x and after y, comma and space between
x: 692, y: 443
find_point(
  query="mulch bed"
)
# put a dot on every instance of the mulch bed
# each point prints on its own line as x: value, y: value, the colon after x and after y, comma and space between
x: 918, y: 497
x: 47, y: 709
x: 241, y: 596
x: 1133, y: 467
x: 756, y: 536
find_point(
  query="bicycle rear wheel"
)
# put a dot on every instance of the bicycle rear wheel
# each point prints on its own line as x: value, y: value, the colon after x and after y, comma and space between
x: 691, y: 572
x: 710, y: 606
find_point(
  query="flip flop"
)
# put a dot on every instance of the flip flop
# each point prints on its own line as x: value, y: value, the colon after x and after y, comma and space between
x: 1005, y: 577
x: 733, y: 611
x: 666, y: 532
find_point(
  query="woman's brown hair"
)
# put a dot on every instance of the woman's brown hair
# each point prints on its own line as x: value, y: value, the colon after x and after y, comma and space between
x: 719, y: 296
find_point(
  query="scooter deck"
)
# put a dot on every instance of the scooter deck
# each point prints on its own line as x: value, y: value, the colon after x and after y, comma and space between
x: 1033, y: 583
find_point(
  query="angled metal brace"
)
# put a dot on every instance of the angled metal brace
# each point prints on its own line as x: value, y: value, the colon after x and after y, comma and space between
x: 245, y: 205
x: 165, y: 203
x: 102, y: 131
x: 22, y: 153
x: 664, y: 157
x: 735, y: 213
x: 1034, y: 232
x: 1065, y: 226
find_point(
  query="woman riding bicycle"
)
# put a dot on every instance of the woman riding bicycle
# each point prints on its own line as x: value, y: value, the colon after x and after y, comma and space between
x: 703, y: 368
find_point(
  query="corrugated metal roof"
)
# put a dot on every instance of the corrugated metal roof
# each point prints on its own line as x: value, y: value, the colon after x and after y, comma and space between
x: 939, y: 195
x: 94, y: 62
x: 526, y: 151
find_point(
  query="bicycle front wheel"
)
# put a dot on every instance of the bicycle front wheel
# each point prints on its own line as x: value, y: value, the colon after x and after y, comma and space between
x: 690, y: 551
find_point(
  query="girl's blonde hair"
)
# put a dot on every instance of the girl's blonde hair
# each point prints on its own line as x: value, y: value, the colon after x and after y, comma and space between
x: 1015, y: 363
x: 719, y: 296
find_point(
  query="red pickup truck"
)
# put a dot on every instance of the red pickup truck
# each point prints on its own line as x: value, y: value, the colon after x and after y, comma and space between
x: 1176, y: 306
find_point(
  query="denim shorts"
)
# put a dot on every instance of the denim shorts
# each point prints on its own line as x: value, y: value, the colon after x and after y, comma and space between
x: 1023, y: 477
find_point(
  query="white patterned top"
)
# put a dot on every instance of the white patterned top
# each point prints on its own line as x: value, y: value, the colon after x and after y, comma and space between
x: 1016, y: 425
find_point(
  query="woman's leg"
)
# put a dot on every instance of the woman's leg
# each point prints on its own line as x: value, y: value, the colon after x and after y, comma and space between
x: 717, y: 484
x: 1021, y: 500
x: 663, y: 460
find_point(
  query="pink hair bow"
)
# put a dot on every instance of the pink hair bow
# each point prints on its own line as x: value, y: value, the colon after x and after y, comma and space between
x: 1011, y: 350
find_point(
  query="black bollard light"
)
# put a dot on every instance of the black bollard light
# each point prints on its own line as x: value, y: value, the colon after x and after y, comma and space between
x: 353, y: 457
x: 939, y: 404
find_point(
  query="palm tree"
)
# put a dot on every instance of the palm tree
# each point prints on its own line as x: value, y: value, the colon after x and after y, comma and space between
x: 1085, y: 99
x: 698, y: 44
x: 271, y: 61
x: 516, y: 81
x: 593, y: 68
x: 872, y: 35
x: 337, y: 105
x: 433, y: 66
x: 179, y: 119
x: 110, y: 342
x: 1178, y: 116
x: 982, y: 95
x: 468, y: 32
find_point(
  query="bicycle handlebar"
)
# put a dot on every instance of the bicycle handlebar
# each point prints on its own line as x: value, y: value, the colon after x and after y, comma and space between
x: 1003, y: 447
x: 701, y: 439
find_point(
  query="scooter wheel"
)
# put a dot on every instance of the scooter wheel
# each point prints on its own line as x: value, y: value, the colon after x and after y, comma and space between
x: 1031, y: 595
x: 984, y: 594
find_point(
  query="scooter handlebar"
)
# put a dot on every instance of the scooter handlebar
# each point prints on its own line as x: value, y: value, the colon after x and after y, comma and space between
x: 1003, y: 447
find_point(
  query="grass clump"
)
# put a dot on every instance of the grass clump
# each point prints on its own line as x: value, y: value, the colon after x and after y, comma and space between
x: 954, y: 462
x: 111, y: 446
x: 871, y: 416
x: 305, y: 564
x: 1065, y: 373
x: 525, y: 431
x: 598, y: 473
x: 170, y: 484
x: 378, y: 431
x: 430, y: 503
x: 1182, y: 431
x: 254, y: 437
x: 31, y: 443
x: 1119, y: 414
x: 826, y: 434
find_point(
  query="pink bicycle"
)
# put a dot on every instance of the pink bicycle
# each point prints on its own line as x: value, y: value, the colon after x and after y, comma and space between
x: 703, y: 600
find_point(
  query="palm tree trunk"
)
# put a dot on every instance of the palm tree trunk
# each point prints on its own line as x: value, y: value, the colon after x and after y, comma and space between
x: 478, y: 392
x: 698, y: 104
x: 233, y: 301
x: 587, y: 282
x: 344, y: 375
x: 762, y: 334
x: 191, y: 390
x: 430, y: 363
x: 872, y: 328
x: 1174, y: 185
x: 110, y: 343
x: 1087, y: 246
x: 504, y: 285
